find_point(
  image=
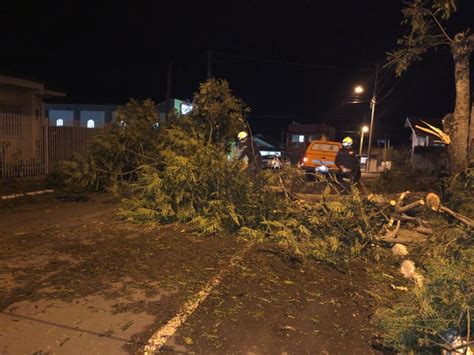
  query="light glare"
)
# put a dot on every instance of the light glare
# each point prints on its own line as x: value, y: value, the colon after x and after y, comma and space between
x: 358, y: 89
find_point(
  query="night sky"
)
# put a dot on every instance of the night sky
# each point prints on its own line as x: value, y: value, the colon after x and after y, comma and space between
x: 107, y: 52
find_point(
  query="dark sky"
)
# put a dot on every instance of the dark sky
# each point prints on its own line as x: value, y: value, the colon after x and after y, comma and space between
x: 107, y: 52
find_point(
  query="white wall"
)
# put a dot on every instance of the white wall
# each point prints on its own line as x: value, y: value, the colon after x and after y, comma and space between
x: 97, y: 116
x: 66, y: 115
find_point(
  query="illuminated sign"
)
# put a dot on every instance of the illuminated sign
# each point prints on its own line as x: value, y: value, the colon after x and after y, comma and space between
x: 186, y: 108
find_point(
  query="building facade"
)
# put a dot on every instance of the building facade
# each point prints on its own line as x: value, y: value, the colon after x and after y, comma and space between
x: 21, y: 96
x: 97, y: 116
x: 300, y: 135
x: 428, y: 153
x: 80, y: 115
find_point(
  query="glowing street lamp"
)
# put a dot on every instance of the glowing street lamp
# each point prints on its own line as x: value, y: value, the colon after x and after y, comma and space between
x: 363, y: 130
x: 358, y: 89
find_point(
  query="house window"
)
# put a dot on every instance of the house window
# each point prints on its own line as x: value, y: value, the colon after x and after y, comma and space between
x: 59, y: 122
x: 90, y: 124
x: 297, y: 138
x: 315, y: 137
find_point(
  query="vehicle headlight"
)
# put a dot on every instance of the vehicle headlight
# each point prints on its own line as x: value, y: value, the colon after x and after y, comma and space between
x: 322, y: 168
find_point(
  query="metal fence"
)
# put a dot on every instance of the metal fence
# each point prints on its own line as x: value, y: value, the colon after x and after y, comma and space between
x: 66, y: 142
x: 30, y: 147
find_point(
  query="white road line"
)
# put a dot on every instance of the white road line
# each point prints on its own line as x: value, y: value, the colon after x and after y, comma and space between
x: 39, y: 192
x: 162, y: 335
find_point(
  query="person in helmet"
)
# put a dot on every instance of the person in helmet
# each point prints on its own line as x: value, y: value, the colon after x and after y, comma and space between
x: 347, y: 161
x: 248, y: 152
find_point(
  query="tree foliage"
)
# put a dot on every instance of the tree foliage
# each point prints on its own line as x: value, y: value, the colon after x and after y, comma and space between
x: 180, y: 172
x: 116, y: 154
x: 425, y: 21
x: 191, y: 180
x: 429, y: 317
x: 425, y: 31
x: 217, y: 112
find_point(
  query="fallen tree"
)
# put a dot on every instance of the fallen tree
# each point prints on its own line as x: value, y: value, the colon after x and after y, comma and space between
x: 180, y: 172
x: 436, y: 310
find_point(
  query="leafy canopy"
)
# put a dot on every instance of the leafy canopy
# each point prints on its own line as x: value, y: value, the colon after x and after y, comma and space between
x: 424, y: 21
x: 218, y: 113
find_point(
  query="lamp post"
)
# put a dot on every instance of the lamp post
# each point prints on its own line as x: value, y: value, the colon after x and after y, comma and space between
x: 373, y: 102
x: 363, y: 130
x: 359, y: 90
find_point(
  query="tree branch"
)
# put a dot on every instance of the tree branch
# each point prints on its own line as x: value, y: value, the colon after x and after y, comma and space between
x: 440, y: 27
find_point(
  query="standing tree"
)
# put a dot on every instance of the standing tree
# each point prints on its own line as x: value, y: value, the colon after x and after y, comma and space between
x: 426, y: 30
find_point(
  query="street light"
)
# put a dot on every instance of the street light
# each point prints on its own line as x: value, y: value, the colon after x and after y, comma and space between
x: 363, y: 130
x: 358, y: 89
x: 373, y: 102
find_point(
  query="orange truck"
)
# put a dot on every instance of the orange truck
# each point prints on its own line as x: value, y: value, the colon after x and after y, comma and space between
x: 320, y: 156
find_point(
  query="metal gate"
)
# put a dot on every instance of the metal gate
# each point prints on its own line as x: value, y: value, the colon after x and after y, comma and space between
x: 29, y: 146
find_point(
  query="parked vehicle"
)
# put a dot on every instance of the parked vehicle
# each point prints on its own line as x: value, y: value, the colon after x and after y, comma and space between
x: 320, y: 156
x: 272, y: 162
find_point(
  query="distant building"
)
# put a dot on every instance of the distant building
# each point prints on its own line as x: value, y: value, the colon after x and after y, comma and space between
x: 427, y: 151
x: 181, y: 107
x: 96, y: 116
x: 300, y: 135
x: 80, y: 115
x: 21, y: 96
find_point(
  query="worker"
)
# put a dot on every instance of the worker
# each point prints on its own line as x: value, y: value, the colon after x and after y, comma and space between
x: 347, y: 161
x: 248, y: 152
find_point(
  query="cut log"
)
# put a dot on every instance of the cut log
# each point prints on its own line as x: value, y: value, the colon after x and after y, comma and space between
x: 401, y: 199
x: 458, y: 216
x: 420, y: 221
x: 392, y: 234
x: 404, y: 236
x: 411, y: 206
x: 424, y: 230
x: 434, y: 202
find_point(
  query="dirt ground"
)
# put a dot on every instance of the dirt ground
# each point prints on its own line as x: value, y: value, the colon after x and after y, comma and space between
x: 74, y: 280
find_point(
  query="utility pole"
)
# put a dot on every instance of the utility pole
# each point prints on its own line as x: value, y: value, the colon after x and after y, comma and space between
x: 169, y: 81
x: 361, y: 142
x: 373, y: 102
x: 209, y: 64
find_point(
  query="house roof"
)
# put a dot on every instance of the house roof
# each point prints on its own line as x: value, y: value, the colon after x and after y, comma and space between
x: 29, y: 85
x: 412, y: 122
x: 68, y: 106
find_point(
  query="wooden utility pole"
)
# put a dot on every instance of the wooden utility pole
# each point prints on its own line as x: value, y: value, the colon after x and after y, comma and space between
x: 169, y: 81
x: 373, y: 102
x: 209, y: 64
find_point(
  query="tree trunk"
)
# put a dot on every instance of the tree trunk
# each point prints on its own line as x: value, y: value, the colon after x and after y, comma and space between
x: 458, y: 127
x: 471, y: 136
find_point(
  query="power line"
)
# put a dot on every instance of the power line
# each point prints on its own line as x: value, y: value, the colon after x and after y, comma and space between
x: 383, y: 80
x: 282, y: 116
x: 280, y: 62
x: 390, y: 91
